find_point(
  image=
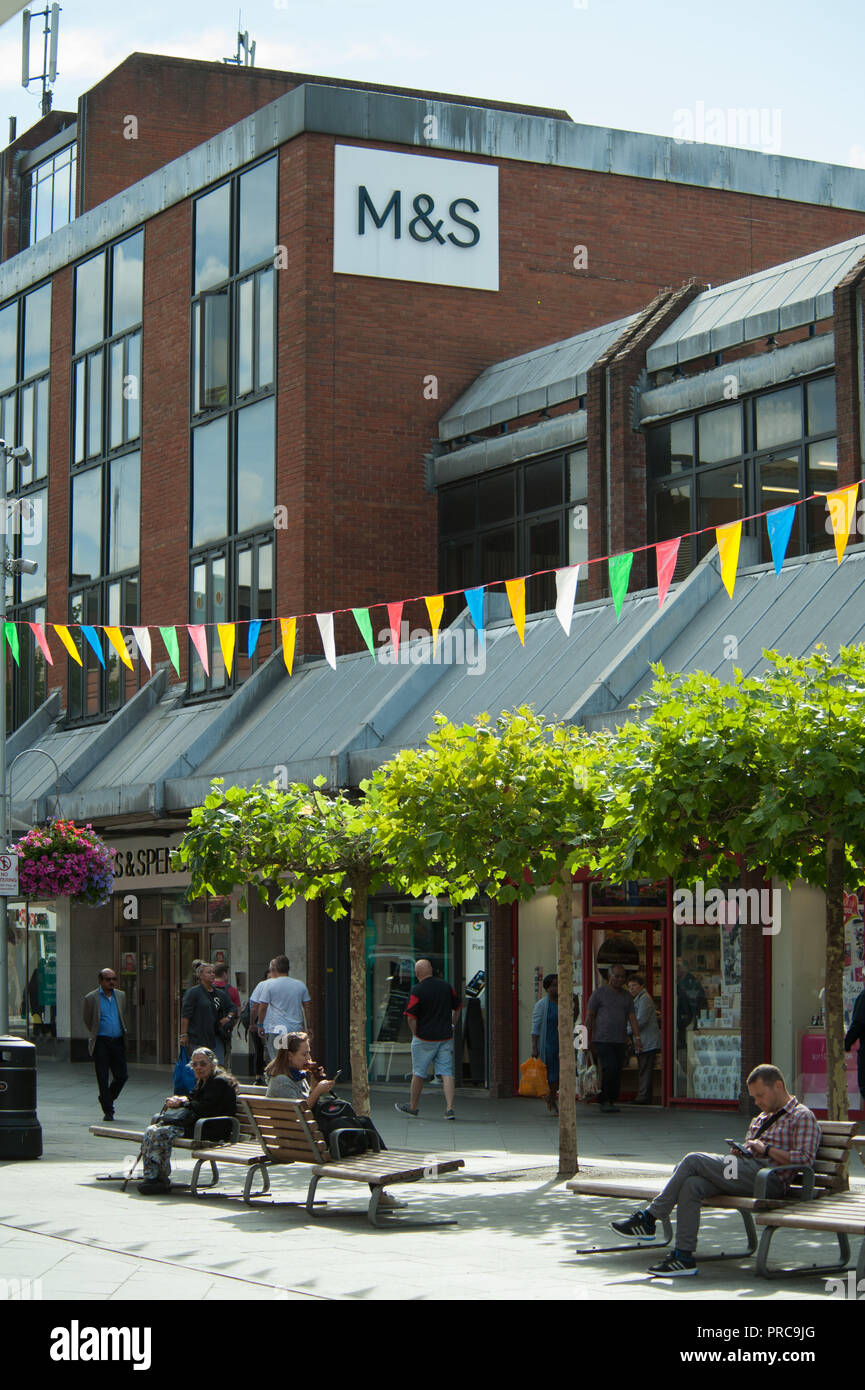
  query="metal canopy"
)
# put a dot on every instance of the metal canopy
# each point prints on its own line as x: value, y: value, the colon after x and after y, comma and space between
x: 533, y: 381
x: 784, y: 296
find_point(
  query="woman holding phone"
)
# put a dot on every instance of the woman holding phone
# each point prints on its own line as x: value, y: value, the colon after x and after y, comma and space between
x: 292, y: 1075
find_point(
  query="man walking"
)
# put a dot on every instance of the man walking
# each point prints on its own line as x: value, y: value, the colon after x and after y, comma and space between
x: 432, y: 1012
x: 610, y: 1010
x: 784, y: 1134
x: 206, y: 1016
x: 281, y: 1007
x: 650, y: 1033
x: 105, y: 1021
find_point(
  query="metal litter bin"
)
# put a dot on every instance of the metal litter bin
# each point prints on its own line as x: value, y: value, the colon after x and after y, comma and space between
x: 20, y: 1130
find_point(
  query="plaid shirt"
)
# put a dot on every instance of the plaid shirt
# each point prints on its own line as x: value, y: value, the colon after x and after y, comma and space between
x: 795, y: 1130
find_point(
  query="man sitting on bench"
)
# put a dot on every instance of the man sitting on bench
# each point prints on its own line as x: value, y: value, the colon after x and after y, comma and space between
x: 794, y: 1139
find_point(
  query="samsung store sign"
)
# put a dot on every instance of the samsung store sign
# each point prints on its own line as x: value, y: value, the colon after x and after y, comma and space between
x: 415, y: 217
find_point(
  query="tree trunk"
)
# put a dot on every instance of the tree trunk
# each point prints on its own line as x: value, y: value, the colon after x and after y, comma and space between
x: 357, y: 1001
x: 833, y: 999
x: 568, y: 1164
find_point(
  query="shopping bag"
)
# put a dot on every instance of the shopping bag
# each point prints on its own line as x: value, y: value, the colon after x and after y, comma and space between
x: 184, y: 1076
x: 588, y: 1082
x: 533, y: 1078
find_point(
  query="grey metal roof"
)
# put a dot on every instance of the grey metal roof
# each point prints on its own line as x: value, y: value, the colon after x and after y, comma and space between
x: 784, y: 296
x: 533, y: 381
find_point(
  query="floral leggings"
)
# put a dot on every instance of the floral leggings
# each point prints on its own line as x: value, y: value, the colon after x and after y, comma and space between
x: 156, y: 1150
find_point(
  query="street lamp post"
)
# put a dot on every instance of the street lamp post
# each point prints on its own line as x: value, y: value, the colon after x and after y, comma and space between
x: 8, y: 566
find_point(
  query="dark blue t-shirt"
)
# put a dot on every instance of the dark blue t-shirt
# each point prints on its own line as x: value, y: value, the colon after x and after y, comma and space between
x: 432, y: 1002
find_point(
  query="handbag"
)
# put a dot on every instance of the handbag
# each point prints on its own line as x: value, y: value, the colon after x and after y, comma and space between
x: 181, y: 1115
x: 184, y: 1076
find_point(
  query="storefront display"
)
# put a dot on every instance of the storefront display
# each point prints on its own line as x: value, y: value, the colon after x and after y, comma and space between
x: 32, y: 968
x: 708, y: 1011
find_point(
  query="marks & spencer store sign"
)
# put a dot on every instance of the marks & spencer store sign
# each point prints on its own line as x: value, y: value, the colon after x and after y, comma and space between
x: 415, y: 217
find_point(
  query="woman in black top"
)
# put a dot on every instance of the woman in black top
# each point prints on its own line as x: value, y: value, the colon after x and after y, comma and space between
x: 214, y: 1098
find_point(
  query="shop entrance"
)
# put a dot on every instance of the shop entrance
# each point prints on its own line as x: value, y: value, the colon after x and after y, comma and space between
x: 638, y: 947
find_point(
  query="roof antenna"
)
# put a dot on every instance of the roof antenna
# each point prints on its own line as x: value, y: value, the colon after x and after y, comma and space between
x: 48, y: 75
x: 245, y: 56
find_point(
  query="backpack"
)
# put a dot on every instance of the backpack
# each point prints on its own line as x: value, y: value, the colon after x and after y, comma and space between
x: 346, y: 1134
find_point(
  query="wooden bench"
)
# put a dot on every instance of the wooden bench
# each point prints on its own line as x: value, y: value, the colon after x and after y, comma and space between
x: 828, y: 1176
x: 289, y: 1134
x: 859, y: 1146
x: 242, y: 1146
x: 840, y: 1214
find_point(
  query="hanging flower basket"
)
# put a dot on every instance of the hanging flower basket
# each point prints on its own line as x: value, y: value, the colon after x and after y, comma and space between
x: 65, y: 860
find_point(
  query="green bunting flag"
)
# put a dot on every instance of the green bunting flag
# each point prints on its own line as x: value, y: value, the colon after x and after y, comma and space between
x: 169, y: 637
x: 10, y: 632
x: 362, y: 618
x: 620, y: 573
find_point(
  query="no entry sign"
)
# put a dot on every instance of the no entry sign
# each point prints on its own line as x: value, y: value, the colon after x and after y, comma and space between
x: 8, y: 875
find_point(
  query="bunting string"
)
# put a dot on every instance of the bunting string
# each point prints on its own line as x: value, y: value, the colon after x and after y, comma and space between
x: 841, y: 505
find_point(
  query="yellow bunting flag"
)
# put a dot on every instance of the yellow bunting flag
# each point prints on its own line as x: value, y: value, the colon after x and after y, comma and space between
x: 63, y: 633
x: 435, y: 606
x: 729, y: 539
x: 288, y: 631
x: 516, y: 589
x: 842, y: 509
x: 226, y: 641
x: 115, y: 637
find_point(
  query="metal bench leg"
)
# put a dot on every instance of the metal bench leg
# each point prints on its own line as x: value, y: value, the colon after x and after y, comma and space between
x: 197, y: 1187
x: 750, y: 1236
x: 372, y: 1209
x: 785, y: 1272
x: 250, y: 1178
x: 310, y: 1196
x: 637, y: 1245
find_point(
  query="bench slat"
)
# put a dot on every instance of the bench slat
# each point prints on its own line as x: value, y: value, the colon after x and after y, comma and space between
x: 363, y: 1171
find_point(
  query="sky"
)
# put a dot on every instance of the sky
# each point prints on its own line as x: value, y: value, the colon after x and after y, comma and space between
x: 682, y: 68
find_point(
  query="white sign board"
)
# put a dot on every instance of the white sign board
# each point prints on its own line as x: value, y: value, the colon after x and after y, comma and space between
x: 8, y: 875
x: 415, y: 217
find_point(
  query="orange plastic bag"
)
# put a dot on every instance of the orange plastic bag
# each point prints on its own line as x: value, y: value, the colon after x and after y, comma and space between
x: 533, y: 1079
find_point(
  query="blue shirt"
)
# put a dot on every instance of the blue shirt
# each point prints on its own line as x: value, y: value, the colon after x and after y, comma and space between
x: 109, y: 1017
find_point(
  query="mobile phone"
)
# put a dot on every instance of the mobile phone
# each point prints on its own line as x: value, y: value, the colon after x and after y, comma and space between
x: 337, y: 1076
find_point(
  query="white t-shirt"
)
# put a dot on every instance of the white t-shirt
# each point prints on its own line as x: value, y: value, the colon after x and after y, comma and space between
x: 284, y: 998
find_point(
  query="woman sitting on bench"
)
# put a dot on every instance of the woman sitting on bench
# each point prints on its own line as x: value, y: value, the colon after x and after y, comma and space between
x: 215, y: 1094
x: 292, y: 1069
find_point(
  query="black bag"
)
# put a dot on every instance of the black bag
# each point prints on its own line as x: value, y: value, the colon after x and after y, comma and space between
x: 180, y: 1115
x: 346, y: 1134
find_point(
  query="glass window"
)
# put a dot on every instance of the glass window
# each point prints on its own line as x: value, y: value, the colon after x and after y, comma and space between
x: 543, y: 485
x: 672, y: 516
x: 545, y: 553
x: 48, y: 196
x: 214, y: 350
x: 495, y: 498
x: 255, y: 465
x: 457, y: 508
x: 80, y: 381
x: 40, y: 429
x: 127, y: 283
x: 578, y: 475
x: 708, y: 1009
x: 778, y: 417
x: 821, y: 405
x: 90, y: 302
x: 264, y: 285
x: 822, y: 465
x: 37, y: 331
x: 86, y: 525
x: 132, y: 387
x: 34, y: 543
x: 212, y: 223
x: 124, y: 498
x: 720, y: 500
x: 720, y: 434
x: 94, y: 408
x: 497, y: 554
x: 777, y: 486
x: 257, y: 215
x: 8, y: 345
x: 245, y: 336
x: 210, y: 482
x: 115, y: 395
x: 670, y: 448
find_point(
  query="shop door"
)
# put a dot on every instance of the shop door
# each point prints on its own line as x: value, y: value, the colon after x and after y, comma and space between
x: 636, y: 946
x: 138, y: 971
x: 182, y: 946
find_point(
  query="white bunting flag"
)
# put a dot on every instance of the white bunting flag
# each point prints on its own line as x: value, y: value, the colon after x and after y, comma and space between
x: 142, y: 637
x: 325, y: 627
x: 566, y: 589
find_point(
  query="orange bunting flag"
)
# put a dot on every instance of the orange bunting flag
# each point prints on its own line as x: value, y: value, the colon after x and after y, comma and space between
x: 63, y: 633
x: 729, y: 539
x: 842, y: 510
x: 435, y: 606
x: 115, y: 637
x: 199, y: 638
x: 39, y: 633
x: 288, y: 632
x: 226, y: 641
x: 516, y: 590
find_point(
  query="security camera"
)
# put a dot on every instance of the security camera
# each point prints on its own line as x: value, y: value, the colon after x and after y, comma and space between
x: 24, y: 566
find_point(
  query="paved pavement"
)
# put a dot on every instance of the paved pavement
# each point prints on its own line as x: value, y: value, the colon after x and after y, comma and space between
x: 77, y: 1238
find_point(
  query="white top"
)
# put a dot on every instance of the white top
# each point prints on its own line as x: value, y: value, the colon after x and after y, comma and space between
x: 284, y: 998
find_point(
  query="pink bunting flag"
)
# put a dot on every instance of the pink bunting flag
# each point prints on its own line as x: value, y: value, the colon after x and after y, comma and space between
x: 199, y: 640
x: 394, y: 618
x: 39, y: 633
x: 666, y: 554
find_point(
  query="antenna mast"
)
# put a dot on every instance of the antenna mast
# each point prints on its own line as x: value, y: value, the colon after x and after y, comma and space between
x: 50, y: 35
x: 245, y: 56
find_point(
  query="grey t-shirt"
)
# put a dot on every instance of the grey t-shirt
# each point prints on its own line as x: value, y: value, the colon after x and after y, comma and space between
x: 284, y: 1087
x: 611, y: 1008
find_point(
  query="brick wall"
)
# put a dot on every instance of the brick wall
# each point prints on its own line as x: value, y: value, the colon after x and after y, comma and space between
x: 848, y: 375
